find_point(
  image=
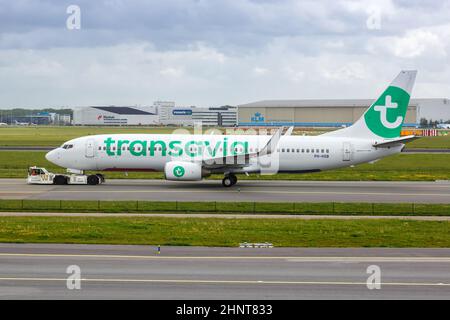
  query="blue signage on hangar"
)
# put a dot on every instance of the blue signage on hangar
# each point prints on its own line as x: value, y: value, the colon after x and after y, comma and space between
x: 182, y: 112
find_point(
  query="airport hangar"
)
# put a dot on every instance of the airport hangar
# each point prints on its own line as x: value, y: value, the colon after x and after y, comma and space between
x: 114, y: 116
x: 330, y: 113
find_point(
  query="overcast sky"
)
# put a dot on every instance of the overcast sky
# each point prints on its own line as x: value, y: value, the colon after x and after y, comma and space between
x: 213, y: 52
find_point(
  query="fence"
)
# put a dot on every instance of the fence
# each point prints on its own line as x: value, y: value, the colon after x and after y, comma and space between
x: 227, y: 207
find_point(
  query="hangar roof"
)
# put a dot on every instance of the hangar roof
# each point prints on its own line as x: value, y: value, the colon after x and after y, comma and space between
x: 307, y: 103
x: 124, y: 110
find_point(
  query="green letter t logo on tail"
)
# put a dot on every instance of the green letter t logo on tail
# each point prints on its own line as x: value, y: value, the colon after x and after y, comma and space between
x: 385, y: 117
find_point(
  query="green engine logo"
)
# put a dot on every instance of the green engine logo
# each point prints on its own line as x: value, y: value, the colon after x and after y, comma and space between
x: 178, y: 171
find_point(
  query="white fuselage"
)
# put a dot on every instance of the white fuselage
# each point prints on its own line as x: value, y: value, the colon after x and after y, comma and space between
x: 151, y: 152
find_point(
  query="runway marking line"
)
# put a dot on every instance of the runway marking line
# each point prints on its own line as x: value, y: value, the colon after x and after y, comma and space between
x: 257, y: 282
x: 233, y: 192
x: 289, y: 259
x: 263, y: 183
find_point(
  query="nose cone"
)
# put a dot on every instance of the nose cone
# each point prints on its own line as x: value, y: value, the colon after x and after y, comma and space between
x: 52, y: 156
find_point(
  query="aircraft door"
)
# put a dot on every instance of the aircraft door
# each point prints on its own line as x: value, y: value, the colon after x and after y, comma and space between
x: 90, y: 148
x: 347, y: 151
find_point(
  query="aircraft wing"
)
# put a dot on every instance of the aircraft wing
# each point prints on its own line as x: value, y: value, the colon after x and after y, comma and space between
x: 394, y: 142
x: 243, y: 160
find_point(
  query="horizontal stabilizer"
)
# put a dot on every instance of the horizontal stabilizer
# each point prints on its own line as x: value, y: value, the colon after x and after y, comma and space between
x: 395, y: 142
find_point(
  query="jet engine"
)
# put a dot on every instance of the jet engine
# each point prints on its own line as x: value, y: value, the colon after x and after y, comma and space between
x: 184, y: 171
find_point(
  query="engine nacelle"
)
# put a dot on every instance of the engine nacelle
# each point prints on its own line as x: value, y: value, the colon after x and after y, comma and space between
x: 184, y: 171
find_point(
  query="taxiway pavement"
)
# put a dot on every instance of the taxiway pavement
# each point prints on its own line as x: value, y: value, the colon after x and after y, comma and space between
x: 39, y: 271
x: 245, y: 190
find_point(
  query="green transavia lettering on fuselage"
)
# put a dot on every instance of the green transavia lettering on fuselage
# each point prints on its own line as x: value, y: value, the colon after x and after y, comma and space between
x: 175, y: 148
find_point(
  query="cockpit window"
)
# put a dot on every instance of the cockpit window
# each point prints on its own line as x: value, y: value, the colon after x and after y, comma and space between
x: 67, y: 146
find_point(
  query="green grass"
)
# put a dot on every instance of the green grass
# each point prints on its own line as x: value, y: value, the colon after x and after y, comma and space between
x: 55, y: 136
x: 225, y: 232
x: 401, y: 167
x: 440, y: 142
x: 329, y: 208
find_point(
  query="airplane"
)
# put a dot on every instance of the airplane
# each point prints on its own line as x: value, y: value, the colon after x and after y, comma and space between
x: 193, y: 157
x: 17, y: 123
x: 443, y: 126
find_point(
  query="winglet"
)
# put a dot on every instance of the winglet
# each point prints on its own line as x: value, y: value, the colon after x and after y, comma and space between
x: 289, y: 131
x: 271, y: 146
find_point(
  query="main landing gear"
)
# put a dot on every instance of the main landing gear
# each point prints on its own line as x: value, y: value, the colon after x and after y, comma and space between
x: 229, y: 180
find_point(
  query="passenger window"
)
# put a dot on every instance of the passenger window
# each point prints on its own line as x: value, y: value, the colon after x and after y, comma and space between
x: 307, y: 150
x: 322, y: 151
x: 312, y: 150
x: 328, y: 150
x: 282, y: 150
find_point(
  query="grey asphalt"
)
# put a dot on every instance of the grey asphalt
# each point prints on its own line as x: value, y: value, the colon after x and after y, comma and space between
x: 26, y: 148
x: 245, y: 190
x: 426, y: 150
x: 38, y: 271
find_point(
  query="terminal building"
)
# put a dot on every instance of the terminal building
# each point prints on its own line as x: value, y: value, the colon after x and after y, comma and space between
x: 225, y: 116
x: 161, y: 113
x: 219, y: 117
x: 331, y: 113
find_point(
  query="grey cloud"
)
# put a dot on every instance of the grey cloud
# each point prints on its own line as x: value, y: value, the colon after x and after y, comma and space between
x: 214, y: 52
x: 175, y: 24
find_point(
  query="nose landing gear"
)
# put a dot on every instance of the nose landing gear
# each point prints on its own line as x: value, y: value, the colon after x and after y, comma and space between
x: 229, y: 180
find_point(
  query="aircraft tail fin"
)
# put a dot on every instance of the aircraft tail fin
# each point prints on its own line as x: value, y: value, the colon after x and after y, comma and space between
x: 384, y: 118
